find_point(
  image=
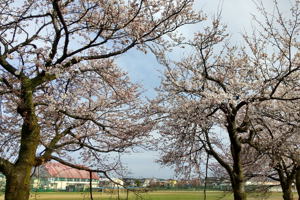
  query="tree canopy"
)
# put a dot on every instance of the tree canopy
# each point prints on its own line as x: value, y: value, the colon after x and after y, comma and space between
x: 231, y: 88
x: 61, y: 89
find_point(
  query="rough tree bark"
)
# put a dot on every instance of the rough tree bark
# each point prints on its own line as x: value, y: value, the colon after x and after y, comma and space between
x: 236, y: 175
x: 18, y: 183
x: 238, y: 187
x: 298, y: 182
x: 18, y: 179
x: 286, y: 184
x: 287, y: 191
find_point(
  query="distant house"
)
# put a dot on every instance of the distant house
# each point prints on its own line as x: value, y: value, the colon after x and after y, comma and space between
x: 106, y: 183
x: 137, y: 182
x: 56, y: 176
x: 172, y: 182
x: 145, y: 182
x: 129, y: 182
x: 162, y: 183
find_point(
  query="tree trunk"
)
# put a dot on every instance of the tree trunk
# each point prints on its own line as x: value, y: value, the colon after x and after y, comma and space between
x: 18, y: 180
x: 18, y: 183
x: 298, y: 182
x: 237, y: 176
x: 287, y: 192
x: 238, y: 187
x: 286, y: 185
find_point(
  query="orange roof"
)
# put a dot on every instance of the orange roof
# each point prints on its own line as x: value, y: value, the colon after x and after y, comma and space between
x: 62, y: 171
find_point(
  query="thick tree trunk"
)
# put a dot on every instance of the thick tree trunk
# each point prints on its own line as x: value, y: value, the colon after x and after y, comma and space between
x: 298, y: 182
x: 286, y: 184
x: 18, y: 184
x: 238, y: 187
x: 18, y: 180
x: 237, y: 176
x: 287, y: 191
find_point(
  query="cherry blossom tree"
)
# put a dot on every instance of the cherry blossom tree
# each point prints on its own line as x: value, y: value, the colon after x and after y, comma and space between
x: 219, y: 85
x: 275, y: 133
x: 61, y: 89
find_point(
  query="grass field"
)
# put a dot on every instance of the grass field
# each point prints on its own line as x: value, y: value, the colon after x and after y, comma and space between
x: 157, y: 195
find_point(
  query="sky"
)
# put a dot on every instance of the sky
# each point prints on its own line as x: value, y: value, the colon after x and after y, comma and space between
x: 145, y: 70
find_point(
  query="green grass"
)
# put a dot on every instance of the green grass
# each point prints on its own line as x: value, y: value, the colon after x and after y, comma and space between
x: 157, y: 195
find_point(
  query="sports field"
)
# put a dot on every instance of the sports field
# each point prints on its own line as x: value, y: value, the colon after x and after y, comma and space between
x: 157, y: 195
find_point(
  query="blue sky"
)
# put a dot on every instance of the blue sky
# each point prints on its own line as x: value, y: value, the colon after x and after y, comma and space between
x: 144, y: 69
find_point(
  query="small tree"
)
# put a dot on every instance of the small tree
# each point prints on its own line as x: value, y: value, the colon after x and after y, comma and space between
x: 61, y: 90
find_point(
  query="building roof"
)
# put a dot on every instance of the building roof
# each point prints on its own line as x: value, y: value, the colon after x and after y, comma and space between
x: 59, y: 170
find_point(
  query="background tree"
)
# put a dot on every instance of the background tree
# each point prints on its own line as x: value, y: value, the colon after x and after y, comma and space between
x: 276, y: 135
x: 220, y: 84
x: 61, y: 90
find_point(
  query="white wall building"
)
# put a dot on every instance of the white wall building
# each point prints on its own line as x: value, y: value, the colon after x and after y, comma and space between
x: 56, y: 176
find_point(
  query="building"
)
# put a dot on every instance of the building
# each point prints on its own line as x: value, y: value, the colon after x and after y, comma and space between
x: 107, y: 183
x: 56, y: 176
x: 139, y: 182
